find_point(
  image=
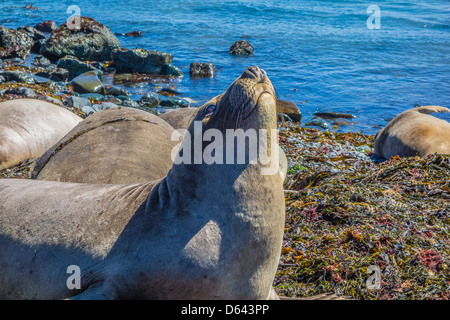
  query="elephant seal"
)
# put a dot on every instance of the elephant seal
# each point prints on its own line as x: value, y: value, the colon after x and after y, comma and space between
x: 28, y: 127
x: 112, y: 146
x: 181, y: 119
x: 205, y: 231
x: 414, y: 133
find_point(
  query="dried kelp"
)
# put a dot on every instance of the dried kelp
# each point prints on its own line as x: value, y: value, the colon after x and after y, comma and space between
x: 348, y: 212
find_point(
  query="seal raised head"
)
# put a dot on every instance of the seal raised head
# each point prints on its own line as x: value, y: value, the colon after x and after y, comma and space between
x: 205, y: 231
x: 414, y: 133
x: 28, y: 127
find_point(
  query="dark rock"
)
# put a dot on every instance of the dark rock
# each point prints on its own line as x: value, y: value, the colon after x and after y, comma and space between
x: 202, y: 70
x: 333, y: 115
x: 140, y: 60
x: 17, y: 76
x: 37, y: 45
x: 116, y: 91
x: 92, y: 42
x: 76, y: 67
x: 133, y: 34
x: 149, y: 100
x: 172, y: 102
x: 14, y: 44
x: 32, y: 32
x: 242, y: 48
x: 171, y: 70
x: 2, y: 79
x: 169, y: 92
x: 22, y: 91
x: 88, y: 82
x: 30, y: 7
x: 56, y: 74
x: 39, y: 79
x: 46, y: 26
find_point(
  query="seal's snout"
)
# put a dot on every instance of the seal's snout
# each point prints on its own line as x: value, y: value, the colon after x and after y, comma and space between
x: 255, y: 73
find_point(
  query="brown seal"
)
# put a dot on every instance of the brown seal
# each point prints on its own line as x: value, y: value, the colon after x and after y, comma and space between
x: 28, y: 127
x: 205, y: 231
x: 116, y: 146
x: 414, y: 133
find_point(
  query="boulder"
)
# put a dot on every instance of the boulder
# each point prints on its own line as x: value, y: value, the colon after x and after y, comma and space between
x: 46, y: 26
x: 92, y: 42
x: 202, y: 70
x: 32, y: 32
x: 171, y: 70
x: 14, y: 44
x: 140, y: 60
x: 242, y: 48
x: 88, y: 82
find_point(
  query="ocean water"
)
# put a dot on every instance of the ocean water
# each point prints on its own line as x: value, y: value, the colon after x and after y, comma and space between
x: 322, y: 55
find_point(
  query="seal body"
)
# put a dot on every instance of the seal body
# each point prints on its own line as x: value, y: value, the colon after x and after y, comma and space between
x: 179, y: 118
x: 414, y: 133
x: 29, y: 127
x: 205, y: 231
x: 115, y: 146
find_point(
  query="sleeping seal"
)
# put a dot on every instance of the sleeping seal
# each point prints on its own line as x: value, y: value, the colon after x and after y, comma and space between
x: 29, y: 127
x: 204, y: 231
x: 414, y: 133
x: 114, y: 146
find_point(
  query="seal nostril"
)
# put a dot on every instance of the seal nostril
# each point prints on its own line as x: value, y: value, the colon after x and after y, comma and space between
x: 263, y: 73
x: 254, y: 72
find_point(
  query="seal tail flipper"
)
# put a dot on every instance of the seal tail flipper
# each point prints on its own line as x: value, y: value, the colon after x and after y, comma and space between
x: 431, y: 109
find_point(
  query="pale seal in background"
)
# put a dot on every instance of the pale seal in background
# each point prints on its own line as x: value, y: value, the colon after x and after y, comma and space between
x: 114, y: 146
x: 202, y: 232
x: 28, y: 127
x: 414, y: 133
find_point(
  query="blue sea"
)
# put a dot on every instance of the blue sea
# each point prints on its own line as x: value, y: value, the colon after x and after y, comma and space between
x: 337, y: 56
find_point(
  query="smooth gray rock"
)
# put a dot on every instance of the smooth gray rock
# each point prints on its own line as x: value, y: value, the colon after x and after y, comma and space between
x: 88, y: 82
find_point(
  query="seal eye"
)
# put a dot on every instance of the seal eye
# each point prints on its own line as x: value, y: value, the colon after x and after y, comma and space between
x: 210, y: 109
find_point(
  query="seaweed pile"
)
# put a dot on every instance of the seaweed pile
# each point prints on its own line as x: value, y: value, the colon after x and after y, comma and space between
x: 360, y: 226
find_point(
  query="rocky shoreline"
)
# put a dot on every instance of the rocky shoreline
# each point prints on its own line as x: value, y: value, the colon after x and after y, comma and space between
x: 86, y: 70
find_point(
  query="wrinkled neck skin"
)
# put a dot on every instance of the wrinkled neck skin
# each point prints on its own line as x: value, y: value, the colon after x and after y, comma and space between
x: 229, y: 219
